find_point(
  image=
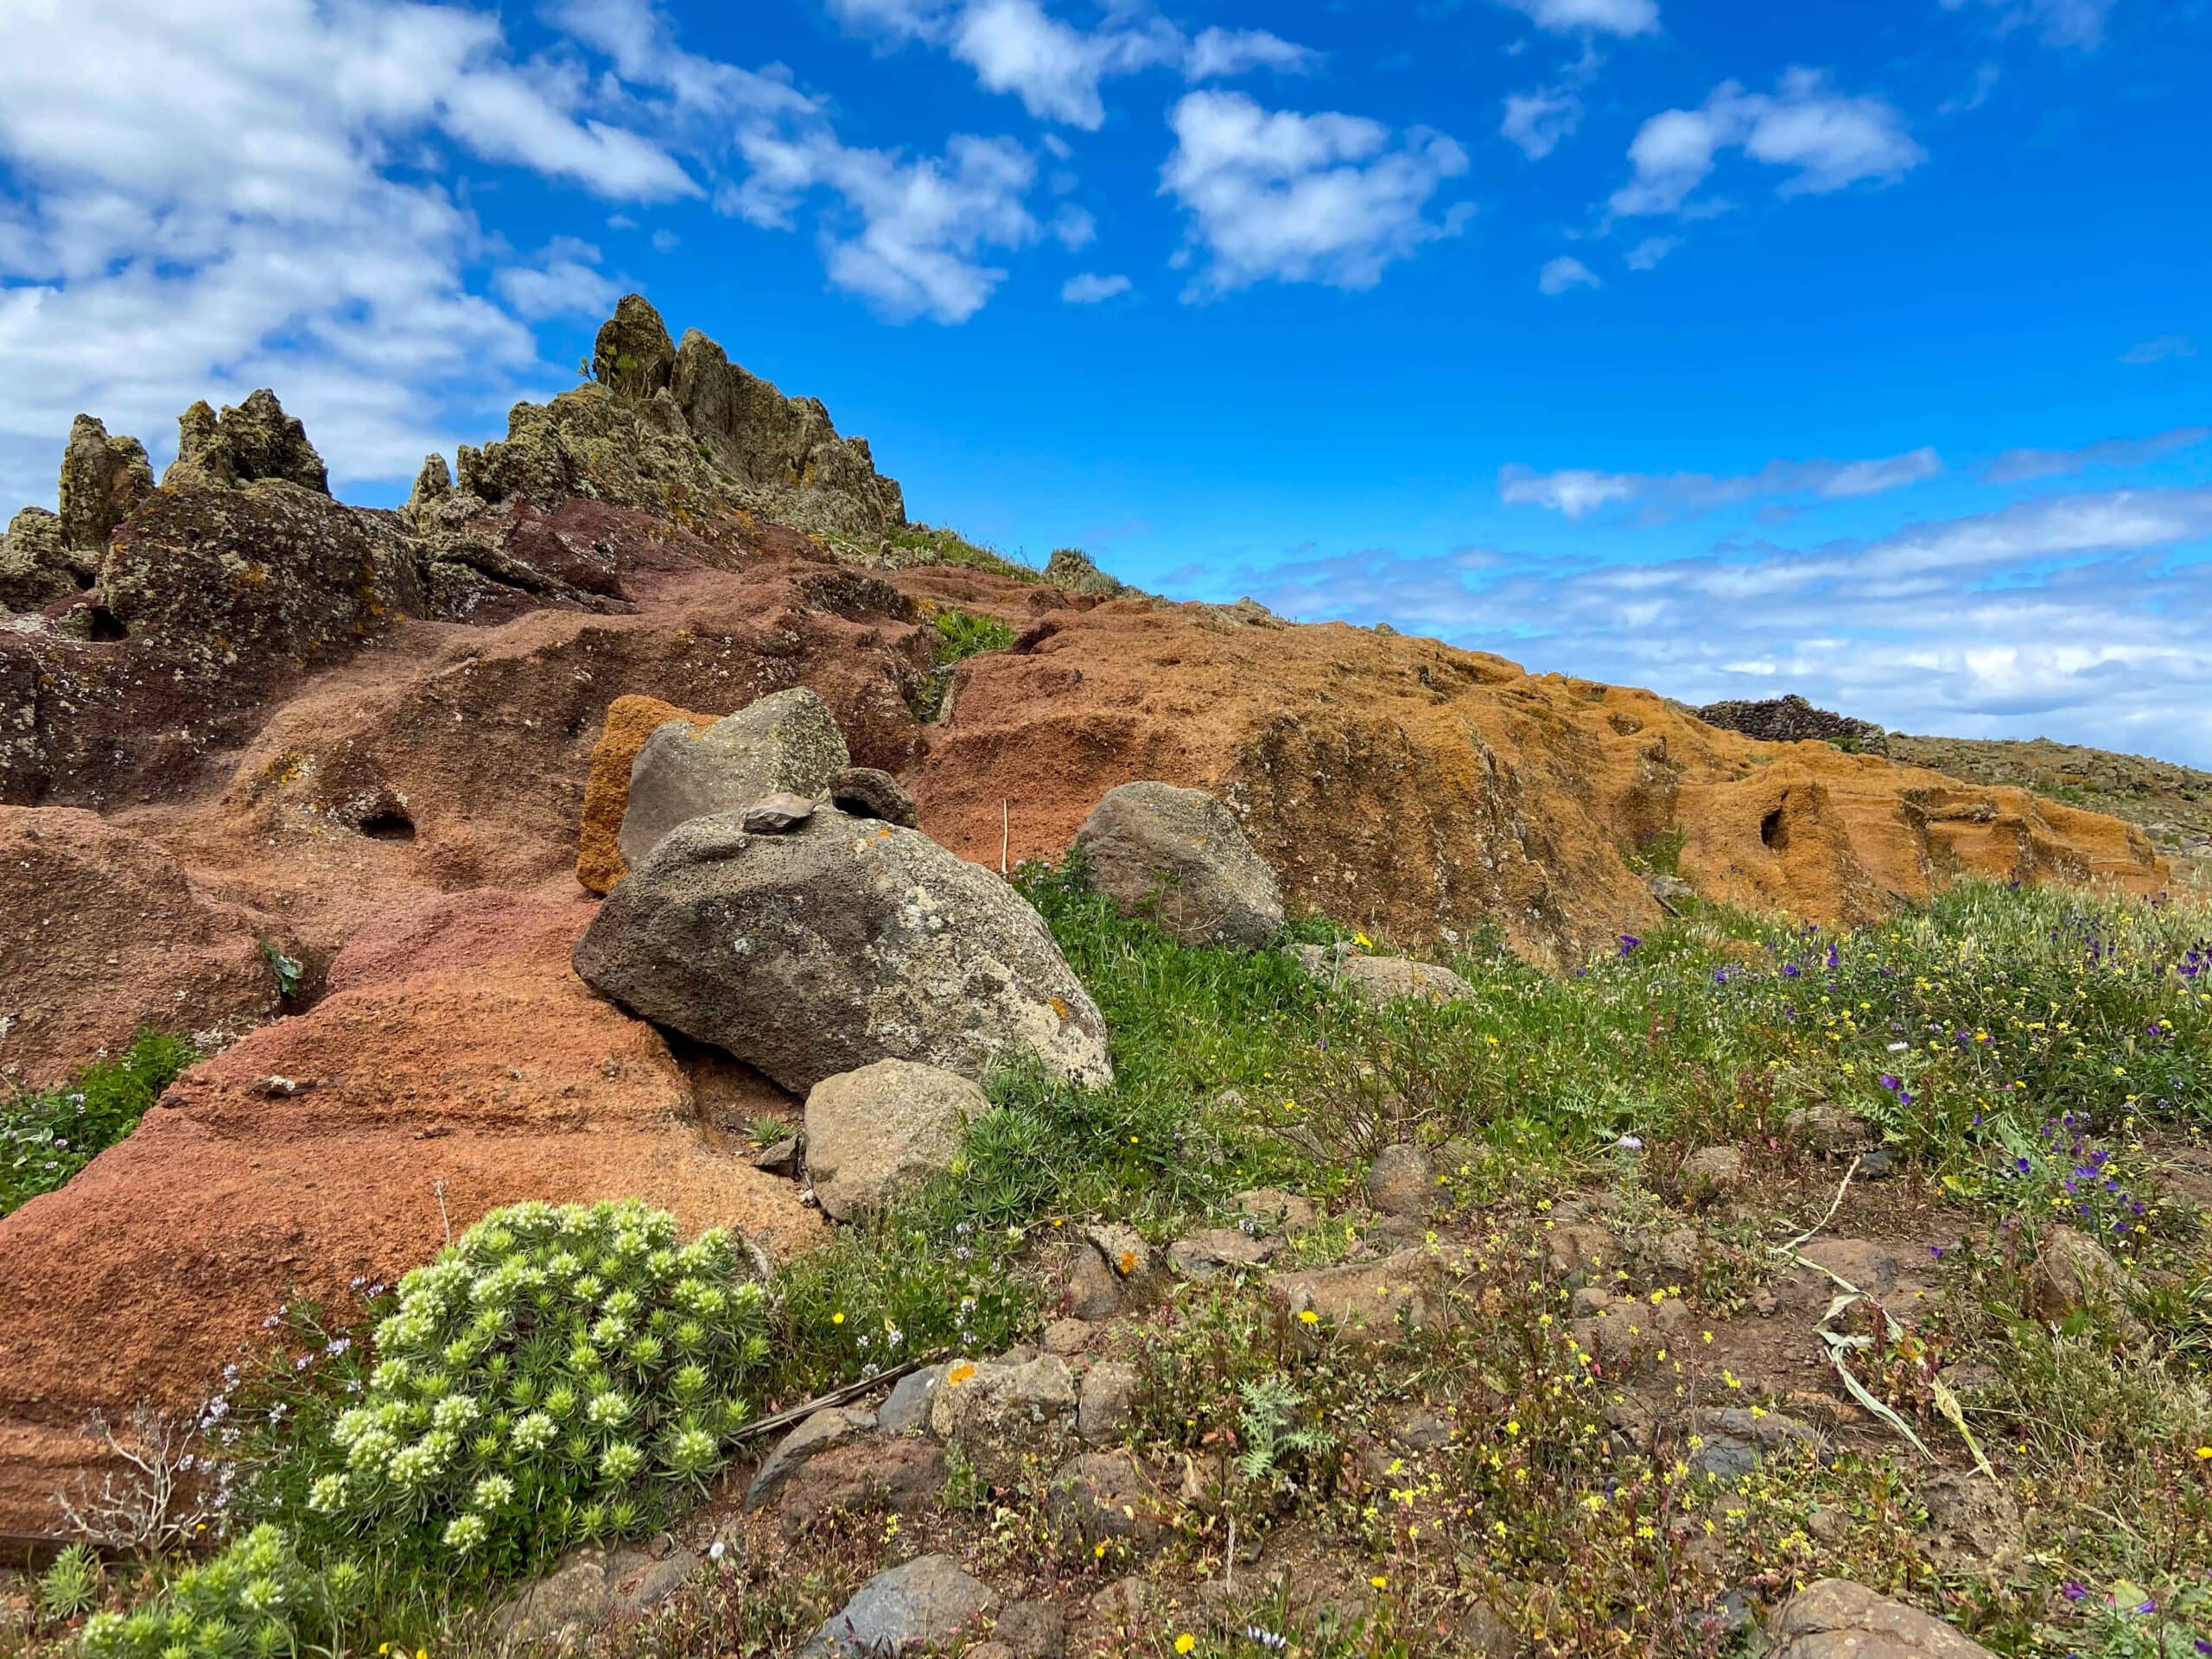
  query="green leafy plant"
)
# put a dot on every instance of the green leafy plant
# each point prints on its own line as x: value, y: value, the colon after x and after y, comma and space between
x: 1279, y: 1429
x: 963, y: 634
x: 557, y: 1373
x: 47, y: 1135
x: 288, y: 970
x: 255, y: 1600
x: 72, y: 1585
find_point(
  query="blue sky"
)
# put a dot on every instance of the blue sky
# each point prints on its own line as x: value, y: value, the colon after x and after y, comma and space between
x: 1862, y: 349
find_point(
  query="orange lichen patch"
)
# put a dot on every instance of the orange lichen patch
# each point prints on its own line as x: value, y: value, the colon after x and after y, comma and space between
x: 630, y: 721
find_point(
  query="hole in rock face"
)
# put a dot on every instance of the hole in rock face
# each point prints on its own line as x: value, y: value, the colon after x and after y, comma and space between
x: 388, y: 826
x: 106, y: 627
x: 82, y: 580
x: 1771, y: 832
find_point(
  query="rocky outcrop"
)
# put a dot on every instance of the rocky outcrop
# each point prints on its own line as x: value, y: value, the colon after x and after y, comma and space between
x: 1177, y: 856
x: 104, y: 936
x: 842, y: 943
x: 254, y: 441
x: 924, y: 1607
x: 1072, y: 570
x: 37, y: 568
x: 1793, y: 720
x: 873, y: 1133
x: 103, y: 479
x: 681, y: 430
x: 787, y: 742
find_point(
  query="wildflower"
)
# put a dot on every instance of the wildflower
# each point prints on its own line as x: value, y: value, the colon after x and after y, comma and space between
x: 1629, y: 1143
x: 1380, y: 1582
x: 1307, y: 1316
x: 837, y: 1318
x: 1186, y: 1642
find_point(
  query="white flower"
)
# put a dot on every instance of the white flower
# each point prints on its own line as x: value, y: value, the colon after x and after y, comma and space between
x: 1629, y: 1143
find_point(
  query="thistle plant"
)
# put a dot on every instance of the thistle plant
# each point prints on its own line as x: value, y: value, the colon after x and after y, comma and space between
x: 557, y: 1373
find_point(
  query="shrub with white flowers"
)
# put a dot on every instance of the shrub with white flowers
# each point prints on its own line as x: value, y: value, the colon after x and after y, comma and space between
x: 559, y: 1373
x: 255, y: 1600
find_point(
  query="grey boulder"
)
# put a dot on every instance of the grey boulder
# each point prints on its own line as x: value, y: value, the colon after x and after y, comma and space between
x: 843, y: 942
x: 923, y: 1606
x: 786, y: 743
x: 1837, y: 1619
x: 1179, y: 855
x: 873, y: 1133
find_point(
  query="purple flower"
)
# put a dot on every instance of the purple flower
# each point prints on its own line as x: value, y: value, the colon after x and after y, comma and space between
x: 2074, y: 1590
x: 1628, y: 944
x: 1892, y: 1082
x: 1790, y: 970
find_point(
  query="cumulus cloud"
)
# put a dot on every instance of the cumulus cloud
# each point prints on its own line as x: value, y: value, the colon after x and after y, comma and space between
x: 2058, y: 22
x: 2019, y: 466
x: 182, y: 216
x: 1564, y: 275
x: 1538, y: 121
x: 1276, y: 195
x: 1825, y: 140
x: 565, y: 281
x: 1090, y: 289
x: 1649, y: 253
x: 1576, y: 492
x: 1056, y: 68
x: 1593, y: 16
x: 2082, y: 618
x: 911, y: 235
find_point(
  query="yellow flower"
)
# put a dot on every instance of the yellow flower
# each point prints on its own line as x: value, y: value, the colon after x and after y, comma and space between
x: 959, y: 1374
x: 1186, y: 1642
x: 1307, y: 1316
x: 1380, y: 1582
x: 837, y: 1319
x: 2205, y: 1450
x: 1362, y: 940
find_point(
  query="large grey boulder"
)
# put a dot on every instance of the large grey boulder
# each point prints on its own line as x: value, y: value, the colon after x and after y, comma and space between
x: 1837, y: 1619
x: 872, y: 1133
x: 1178, y: 855
x: 786, y: 743
x: 923, y: 1606
x: 843, y: 942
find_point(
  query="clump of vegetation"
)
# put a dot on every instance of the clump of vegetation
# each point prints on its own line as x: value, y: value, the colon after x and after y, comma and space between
x: 962, y: 634
x: 558, y: 1375
x: 930, y: 544
x: 47, y: 1135
x: 255, y: 1600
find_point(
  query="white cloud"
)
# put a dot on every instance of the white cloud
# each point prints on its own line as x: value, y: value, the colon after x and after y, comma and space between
x: 1073, y: 228
x: 565, y: 281
x: 1564, y: 274
x: 2019, y: 466
x: 1273, y: 194
x: 1577, y: 492
x: 1538, y: 121
x: 921, y: 227
x: 1826, y: 139
x: 2058, y: 22
x: 1648, y: 253
x: 1091, y: 289
x: 2158, y: 350
x: 1596, y: 16
x: 197, y: 200
x: 1056, y: 69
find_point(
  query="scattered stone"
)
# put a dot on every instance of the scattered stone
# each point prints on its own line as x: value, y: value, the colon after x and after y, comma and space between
x: 1736, y: 1439
x: 1108, y: 1497
x: 1974, y: 1525
x: 869, y: 792
x: 876, y: 1475
x: 1032, y: 1630
x: 784, y: 744
x: 773, y: 815
x: 1384, y: 980
x: 1867, y: 1265
x: 1628, y: 1330
x: 908, y: 1410
x: 1879, y: 1165
x: 1093, y: 1288
x: 1482, y: 1633
x: 1114, y: 1270
x: 589, y: 1590
x: 999, y: 1411
x: 1837, y: 1619
x: 1671, y: 891
x: 1107, y: 1401
x: 1581, y: 1249
x: 1398, y: 1182
x: 842, y: 943
x: 1713, y: 1172
x: 1178, y: 856
x: 780, y: 1159
x: 2072, y: 1273
x: 877, y: 1132
x: 925, y: 1605
x: 827, y: 1429
x: 1421, y: 1429
x: 1202, y: 1254
x: 1288, y: 1211
x: 1829, y: 1130
x: 1369, y: 1303
x: 253, y: 442
x: 1067, y: 1337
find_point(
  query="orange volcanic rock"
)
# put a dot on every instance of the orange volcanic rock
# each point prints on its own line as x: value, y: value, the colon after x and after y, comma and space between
x: 456, y: 1065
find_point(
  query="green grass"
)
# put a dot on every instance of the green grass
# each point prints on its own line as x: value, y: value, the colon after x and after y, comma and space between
x: 47, y: 1135
x: 962, y: 634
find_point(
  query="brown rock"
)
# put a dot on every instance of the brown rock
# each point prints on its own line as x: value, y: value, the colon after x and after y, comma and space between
x: 1837, y: 1619
x: 630, y: 721
x: 1369, y: 1303
x: 883, y: 1475
x: 1399, y: 1183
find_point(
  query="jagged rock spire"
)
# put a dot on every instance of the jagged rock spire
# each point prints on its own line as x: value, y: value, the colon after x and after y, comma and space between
x: 257, y: 439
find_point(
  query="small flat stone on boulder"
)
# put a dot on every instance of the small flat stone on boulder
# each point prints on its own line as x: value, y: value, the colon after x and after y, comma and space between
x: 925, y: 1606
x: 877, y: 1132
x: 771, y: 815
x: 1179, y: 856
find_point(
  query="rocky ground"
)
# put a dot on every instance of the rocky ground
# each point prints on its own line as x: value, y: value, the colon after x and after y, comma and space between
x: 1226, y: 1136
